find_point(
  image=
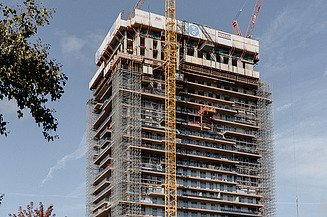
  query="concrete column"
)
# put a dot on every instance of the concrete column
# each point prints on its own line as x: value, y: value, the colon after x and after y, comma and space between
x: 159, y: 49
x: 148, y: 47
x: 213, y: 56
x: 239, y: 64
x: 195, y: 52
x: 220, y: 58
x: 185, y: 48
x: 178, y: 56
x: 137, y: 43
x: 248, y: 66
x: 125, y: 42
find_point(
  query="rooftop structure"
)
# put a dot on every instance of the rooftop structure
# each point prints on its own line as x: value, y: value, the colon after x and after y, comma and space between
x: 224, y: 146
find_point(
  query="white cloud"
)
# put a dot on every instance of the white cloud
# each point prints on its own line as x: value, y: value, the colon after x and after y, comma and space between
x: 283, y: 107
x: 79, y: 191
x: 302, y: 147
x: 71, y: 44
x: 291, y: 29
x: 325, y: 74
x: 79, y: 47
x: 20, y: 194
x: 94, y: 38
x: 323, y: 208
x: 304, y: 157
x: 290, y: 24
x: 8, y: 106
x: 61, y: 164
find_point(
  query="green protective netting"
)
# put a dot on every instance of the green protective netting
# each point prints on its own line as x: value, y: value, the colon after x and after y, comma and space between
x: 222, y: 51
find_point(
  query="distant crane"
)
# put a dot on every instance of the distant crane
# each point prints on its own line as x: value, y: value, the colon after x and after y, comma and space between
x: 235, y: 25
x: 138, y: 5
x: 253, y: 21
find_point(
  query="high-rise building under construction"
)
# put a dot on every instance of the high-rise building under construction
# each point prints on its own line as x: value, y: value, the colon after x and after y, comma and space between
x: 224, y: 144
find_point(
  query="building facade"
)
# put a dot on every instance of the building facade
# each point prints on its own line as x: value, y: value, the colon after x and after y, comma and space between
x: 225, y: 152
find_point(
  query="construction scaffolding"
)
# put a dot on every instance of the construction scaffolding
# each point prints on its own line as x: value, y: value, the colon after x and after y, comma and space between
x: 222, y: 155
x: 92, y: 170
x: 126, y: 138
x: 266, y: 149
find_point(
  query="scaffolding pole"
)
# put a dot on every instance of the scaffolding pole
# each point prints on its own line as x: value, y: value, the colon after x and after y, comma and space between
x: 126, y: 137
x: 92, y: 170
x: 266, y: 149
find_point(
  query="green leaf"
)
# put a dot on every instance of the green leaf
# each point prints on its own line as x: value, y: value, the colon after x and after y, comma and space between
x: 27, y: 74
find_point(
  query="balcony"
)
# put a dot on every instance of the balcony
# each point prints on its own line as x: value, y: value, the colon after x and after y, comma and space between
x: 103, y: 174
x: 104, y: 152
x: 196, y: 135
x: 103, y: 126
x: 102, y: 185
x: 104, y: 113
x: 105, y: 162
x: 239, y: 133
x: 208, y: 179
x: 104, y: 142
x: 222, y: 90
x: 191, y: 155
x: 102, y: 209
x: 201, y: 71
x: 236, y: 124
x: 99, y: 197
x: 209, y: 99
x: 191, y: 197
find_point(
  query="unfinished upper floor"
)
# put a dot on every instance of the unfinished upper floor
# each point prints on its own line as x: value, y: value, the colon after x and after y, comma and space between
x: 143, y: 37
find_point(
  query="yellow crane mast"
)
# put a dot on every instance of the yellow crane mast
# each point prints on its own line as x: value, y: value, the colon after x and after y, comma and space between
x: 170, y: 108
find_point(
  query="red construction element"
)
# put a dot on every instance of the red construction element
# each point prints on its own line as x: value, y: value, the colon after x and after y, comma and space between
x: 236, y: 28
x: 254, y: 18
x: 253, y: 21
x: 206, y: 111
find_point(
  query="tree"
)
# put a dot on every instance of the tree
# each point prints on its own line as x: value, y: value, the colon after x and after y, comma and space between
x: 31, y: 212
x: 27, y: 74
x: 1, y: 198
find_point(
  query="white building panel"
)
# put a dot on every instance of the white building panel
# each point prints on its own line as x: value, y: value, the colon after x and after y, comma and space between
x: 157, y: 21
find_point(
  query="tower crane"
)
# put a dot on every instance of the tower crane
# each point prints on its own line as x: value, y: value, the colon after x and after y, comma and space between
x: 254, y: 17
x: 235, y: 25
x: 170, y: 59
x: 138, y: 5
x: 170, y: 66
x: 255, y: 14
x: 170, y: 62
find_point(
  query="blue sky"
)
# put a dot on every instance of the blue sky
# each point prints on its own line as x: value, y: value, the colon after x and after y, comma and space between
x: 293, y: 50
